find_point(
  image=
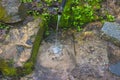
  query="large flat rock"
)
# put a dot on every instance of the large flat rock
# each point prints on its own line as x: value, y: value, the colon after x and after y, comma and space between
x: 111, y: 31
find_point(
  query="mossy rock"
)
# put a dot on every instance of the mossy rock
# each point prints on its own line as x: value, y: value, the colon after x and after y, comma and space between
x: 8, y: 70
x: 12, y: 12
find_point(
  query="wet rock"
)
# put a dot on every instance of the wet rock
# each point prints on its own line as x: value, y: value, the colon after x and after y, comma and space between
x: 52, y: 60
x: 111, y: 32
x: 9, y: 10
x: 115, y: 68
x: 50, y: 65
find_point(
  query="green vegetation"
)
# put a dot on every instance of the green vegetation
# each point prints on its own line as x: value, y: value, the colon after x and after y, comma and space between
x: 3, y: 26
x: 110, y: 18
x: 26, y: 1
x: 6, y: 69
x: 79, y: 12
x: 3, y: 15
x: 76, y: 13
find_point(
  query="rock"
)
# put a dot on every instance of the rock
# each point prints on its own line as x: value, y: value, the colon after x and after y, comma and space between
x: 84, y: 56
x: 2, y: 35
x: 54, y: 65
x: 9, y: 51
x: 111, y: 31
x: 19, y: 42
x: 10, y: 12
x: 113, y: 53
x: 52, y: 60
x: 115, y: 68
x: 91, y: 52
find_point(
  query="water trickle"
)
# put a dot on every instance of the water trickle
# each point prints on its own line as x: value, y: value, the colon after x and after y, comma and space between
x: 57, y: 48
x: 57, y: 28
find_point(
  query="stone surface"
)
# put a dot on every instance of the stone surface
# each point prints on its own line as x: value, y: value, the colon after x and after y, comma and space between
x: 112, y: 32
x: 54, y: 61
x: 113, y: 53
x: 115, y: 68
x: 16, y: 45
x: 10, y: 11
x: 84, y: 57
x: 91, y: 52
x: 2, y: 35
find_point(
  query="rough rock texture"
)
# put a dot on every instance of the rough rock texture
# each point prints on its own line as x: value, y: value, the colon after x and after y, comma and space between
x: 64, y: 61
x: 85, y: 56
x: 18, y: 43
x: 114, y: 59
x: 112, y: 7
x: 111, y: 31
x: 91, y: 55
x: 9, y: 10
x: 82, y: 56
x: 113, y: 53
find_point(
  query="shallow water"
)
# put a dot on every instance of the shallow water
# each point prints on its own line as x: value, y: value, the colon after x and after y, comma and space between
x: 57, y: 49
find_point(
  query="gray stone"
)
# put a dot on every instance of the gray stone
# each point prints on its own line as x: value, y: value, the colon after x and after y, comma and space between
x: 115, y: 68
x: 9, y: 11
x: 112, y: 31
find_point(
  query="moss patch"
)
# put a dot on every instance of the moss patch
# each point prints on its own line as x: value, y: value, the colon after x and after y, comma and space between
x: 3, y: 14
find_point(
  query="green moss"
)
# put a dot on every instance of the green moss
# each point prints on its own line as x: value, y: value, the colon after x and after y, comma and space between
x: 37, y: 43
x: 28, y: 67
x: 6, y: 69
x: 3, y: 14
x: 26, y: 1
